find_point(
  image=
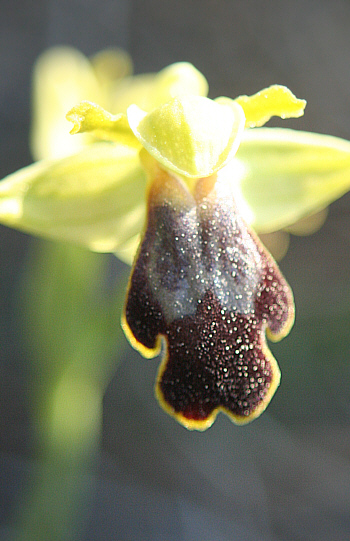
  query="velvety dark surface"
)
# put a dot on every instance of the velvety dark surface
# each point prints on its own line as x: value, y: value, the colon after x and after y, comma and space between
x: 287, y: 475
x: 205, y: 284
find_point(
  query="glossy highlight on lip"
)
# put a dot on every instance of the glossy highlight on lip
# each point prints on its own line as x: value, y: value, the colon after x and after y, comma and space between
x: 204, y: 283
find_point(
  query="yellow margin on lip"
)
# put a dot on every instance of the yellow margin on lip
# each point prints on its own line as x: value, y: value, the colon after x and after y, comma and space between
x: 202, y: 425
x: 276, y: 337
x: 145, y: 352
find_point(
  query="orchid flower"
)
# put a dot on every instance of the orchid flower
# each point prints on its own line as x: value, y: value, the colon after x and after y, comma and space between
x: 179, y: 185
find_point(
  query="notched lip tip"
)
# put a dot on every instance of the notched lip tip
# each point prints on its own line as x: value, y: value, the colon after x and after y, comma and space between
x: 203, y: 424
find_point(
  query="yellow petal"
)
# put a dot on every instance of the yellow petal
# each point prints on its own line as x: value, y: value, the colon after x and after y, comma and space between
x: 111, y: 66
x: 90, y: 117
x: 149, y: 90
x: 275, y: 100
x: 177, y: 80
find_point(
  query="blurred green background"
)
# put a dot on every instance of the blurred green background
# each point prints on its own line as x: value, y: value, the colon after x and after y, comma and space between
x: 86, y: 453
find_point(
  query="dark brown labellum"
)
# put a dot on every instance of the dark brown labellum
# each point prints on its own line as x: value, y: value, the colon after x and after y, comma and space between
x: 203, y: 281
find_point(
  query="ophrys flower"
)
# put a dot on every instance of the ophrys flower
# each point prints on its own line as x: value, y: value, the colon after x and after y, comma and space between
x: 186, y: 167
